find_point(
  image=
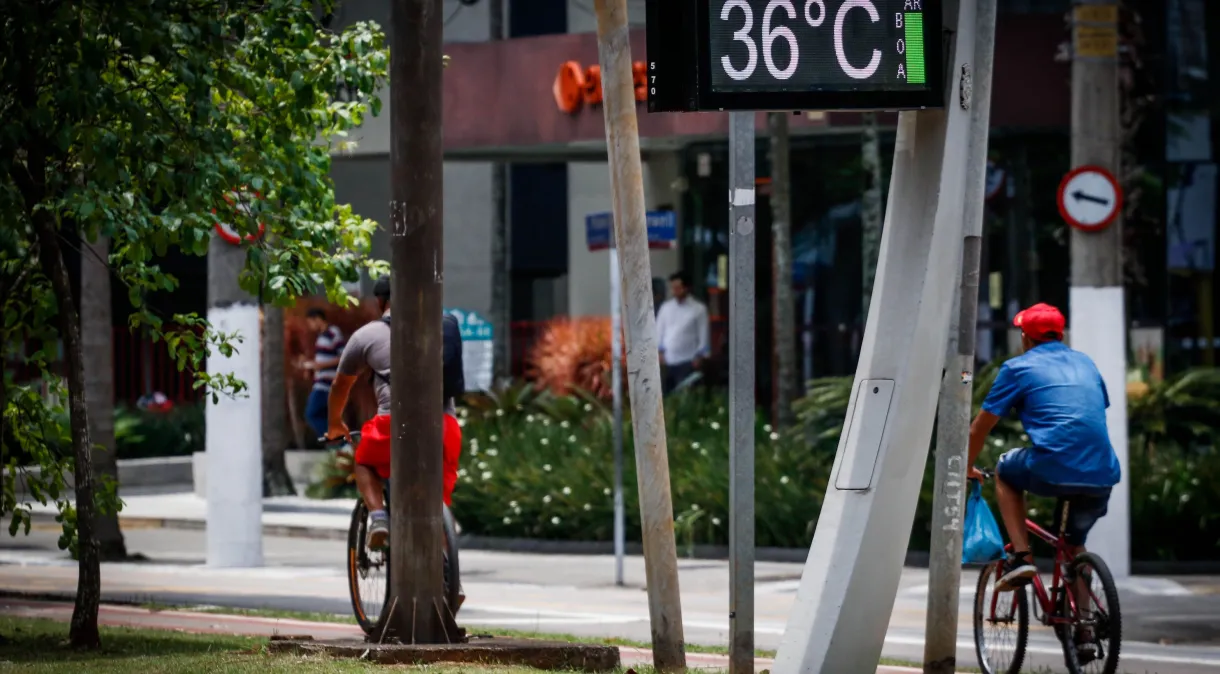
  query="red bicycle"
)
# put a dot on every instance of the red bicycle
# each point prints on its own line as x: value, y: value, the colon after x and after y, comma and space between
x: 1081, y: 607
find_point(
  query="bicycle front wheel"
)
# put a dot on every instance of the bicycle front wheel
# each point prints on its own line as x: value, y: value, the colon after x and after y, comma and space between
x: 452, y: 570
x: 368, y: 573
x: 1001, y: 624
x: 1092, y: 643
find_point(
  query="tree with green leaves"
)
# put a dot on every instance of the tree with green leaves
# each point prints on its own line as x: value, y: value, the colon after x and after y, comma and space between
x: 133, y: 121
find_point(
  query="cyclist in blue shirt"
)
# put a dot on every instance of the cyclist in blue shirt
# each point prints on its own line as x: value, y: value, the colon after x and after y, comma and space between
x: 1061, y: 400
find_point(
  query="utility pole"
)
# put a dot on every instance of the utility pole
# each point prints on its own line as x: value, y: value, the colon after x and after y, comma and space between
x: 1096, y: 303
x: 741, y: 392
x: 500, y: 281
x: 956, y: 389
x: 417, y: 612
x: 234, y: 439
x: 643, y: 366
x: 784, y: 308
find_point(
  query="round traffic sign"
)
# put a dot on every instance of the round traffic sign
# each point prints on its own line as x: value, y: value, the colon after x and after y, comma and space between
x: 1089, y: 198
x: 226, y: 230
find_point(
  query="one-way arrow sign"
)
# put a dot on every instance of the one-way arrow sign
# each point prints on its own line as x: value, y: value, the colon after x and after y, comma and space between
x: 1089, y: 198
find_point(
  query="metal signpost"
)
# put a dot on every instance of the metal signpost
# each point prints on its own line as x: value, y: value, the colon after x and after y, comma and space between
x: 741, y: 393
x: 599, y: 235
x: 750, y: 55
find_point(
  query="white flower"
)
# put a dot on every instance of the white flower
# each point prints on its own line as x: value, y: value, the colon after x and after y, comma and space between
x: 517, y: 511
x: 554, y: 520
x: 1033, y: 512
x: 461, y: 423
x: 546, y: 421
x: 508, y: 520
x: 512, y: 504
x: 474, y: 451
x: 766, y: 428
x: 1194, y: 481
x: 462, y: 412
x: 462, y: 473
x: 715, y: 521
x: 493, y: 452
x: 567, y: 491
x: 486, y: 475
x: 998, y: 442
x: 546, y: 466
x: 482, y: 465
x: 571, y: 438
x: 1184, y: 498
x: 474, y: 442
x: 715, y: 426
x: 588, y: 407
x: 774, y: 437
x: 546, y: 499
x: 564, y: 424
x: 606, y: 491
x: 499, y: 413
x: 694, y: 507
x: 588, y: 451
x: 722, y: 410
x: 694, y: 445
x: 703, y: 452
x: 544, y: 441
x: 493, y: 438
x: 529, y: 418
x: 783, y: 479
x: 588, y: 507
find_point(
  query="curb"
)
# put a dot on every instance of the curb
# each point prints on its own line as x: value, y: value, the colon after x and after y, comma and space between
x: 914, y: 558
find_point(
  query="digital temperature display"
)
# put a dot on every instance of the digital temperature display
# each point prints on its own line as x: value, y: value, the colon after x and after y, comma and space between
x: 795, y: 54
x: 817, y: 45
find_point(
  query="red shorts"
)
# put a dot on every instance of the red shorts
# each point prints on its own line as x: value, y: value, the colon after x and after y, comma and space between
x: 374, y: 449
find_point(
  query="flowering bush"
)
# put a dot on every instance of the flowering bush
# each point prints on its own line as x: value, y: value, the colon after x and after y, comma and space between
x: 573, y: 354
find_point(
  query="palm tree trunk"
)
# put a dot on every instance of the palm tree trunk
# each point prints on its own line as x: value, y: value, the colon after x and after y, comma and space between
x: 870, y: 208
x: 785, y: 303
x: 276, y: 480
x: 97, y: 333
x: 82, y: 632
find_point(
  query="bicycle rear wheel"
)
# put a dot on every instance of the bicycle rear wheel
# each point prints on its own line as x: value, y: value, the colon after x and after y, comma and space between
x: 1000, y: 634
x: 1099, y: 614
x: 368, y: 573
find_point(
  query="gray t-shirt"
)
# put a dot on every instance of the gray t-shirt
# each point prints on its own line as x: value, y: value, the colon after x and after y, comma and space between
x: 369, y: 347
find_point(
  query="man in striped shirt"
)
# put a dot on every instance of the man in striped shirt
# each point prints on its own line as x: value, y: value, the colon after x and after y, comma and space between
x: 327, y: 349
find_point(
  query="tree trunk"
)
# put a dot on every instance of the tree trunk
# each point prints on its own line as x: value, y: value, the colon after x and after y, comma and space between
x: 785, y: 303
x: 276, y: 481
x: 83, y: 630
x: 870, y: 208
x: 97, y: 350
x: 501, y: 332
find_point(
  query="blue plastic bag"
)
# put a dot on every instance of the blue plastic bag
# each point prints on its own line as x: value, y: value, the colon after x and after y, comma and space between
x: 981, y: 540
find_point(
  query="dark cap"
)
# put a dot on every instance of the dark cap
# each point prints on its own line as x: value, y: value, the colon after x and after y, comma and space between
x: 381, y: 288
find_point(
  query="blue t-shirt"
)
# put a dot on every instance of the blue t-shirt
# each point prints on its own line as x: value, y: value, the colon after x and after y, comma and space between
x: 1061, y: 400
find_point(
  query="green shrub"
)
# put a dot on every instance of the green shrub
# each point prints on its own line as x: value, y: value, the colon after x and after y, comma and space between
x: 141, y: 434
x: 540, y: 466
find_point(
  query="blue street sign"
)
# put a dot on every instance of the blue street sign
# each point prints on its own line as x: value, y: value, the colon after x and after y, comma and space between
x: 662, y: 229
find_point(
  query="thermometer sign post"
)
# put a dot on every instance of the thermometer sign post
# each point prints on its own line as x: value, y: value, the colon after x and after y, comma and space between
x: 795, y: 55
x: 912, y: 56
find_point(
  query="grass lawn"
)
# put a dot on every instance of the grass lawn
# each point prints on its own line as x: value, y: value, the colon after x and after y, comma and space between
x: 471, y: 629
x: 40, y: 646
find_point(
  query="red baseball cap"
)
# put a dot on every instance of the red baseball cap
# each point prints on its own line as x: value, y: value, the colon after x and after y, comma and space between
x: 1040, y: 322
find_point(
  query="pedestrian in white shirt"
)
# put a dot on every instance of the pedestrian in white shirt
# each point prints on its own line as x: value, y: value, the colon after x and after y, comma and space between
x: 682, y: 333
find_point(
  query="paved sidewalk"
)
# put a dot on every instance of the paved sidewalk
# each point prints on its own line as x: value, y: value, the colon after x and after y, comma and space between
x: 214, y: 623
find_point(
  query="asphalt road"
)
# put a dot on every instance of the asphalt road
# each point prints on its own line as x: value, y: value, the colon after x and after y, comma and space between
x: 1171, y: 626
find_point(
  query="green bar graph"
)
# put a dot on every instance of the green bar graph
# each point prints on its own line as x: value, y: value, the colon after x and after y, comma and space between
x: 913, y: 21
